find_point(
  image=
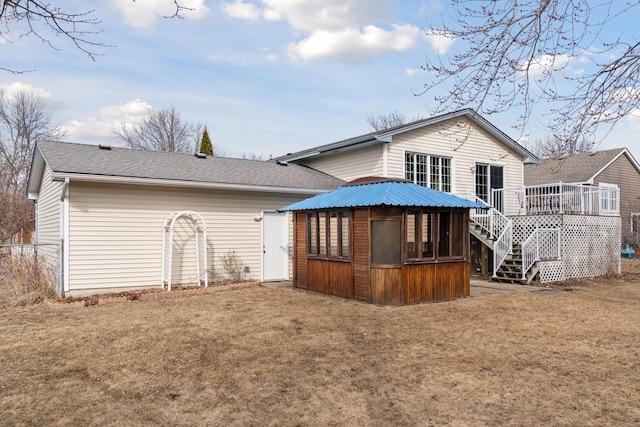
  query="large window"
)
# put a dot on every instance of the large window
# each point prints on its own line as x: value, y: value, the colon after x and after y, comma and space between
x: 435, y: 235
x: 329, y: 234
x: 428, y: 171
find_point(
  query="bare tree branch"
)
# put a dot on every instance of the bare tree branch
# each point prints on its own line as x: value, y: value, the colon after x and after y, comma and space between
x: 390, y: 120
x: 551, y: 147
x: 24, y: 120
x: 161, y: 130
x: 39, y: 18
x: 517, y: 54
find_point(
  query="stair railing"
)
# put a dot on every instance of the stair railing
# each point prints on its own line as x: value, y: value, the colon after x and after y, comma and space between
x: 498, y: 227
x: 488, y: 218
x: 543, y: 243
x: 503, y: 245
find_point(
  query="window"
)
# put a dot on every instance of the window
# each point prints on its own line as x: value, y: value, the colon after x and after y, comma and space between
x: 428, y: 171
x: 488, y: 178
x: 419, y: 235
x: 482, y: 182
x: 329, y: 234
x: 435, y: 235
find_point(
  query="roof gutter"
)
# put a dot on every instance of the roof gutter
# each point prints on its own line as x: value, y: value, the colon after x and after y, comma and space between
x: 362, y: 141
x: 62, y: 176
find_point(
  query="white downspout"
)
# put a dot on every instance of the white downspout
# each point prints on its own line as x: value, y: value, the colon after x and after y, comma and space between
x: 64, y: 238
x: 385, y: 155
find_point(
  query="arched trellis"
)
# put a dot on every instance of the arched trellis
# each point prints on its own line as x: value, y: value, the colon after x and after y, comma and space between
x: 201, y: 247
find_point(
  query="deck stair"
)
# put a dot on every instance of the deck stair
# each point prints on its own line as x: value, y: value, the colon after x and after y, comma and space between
x: 510, y: 271
x: 482, y: 234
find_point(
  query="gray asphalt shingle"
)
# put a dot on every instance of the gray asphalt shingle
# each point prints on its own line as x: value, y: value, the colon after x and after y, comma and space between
x: 577, y: 168
x: 63, y: 157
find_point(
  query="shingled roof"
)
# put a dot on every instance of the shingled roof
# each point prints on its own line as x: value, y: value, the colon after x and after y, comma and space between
x: 92, y: 162
x: 578, y: 168
x: 387, y: 135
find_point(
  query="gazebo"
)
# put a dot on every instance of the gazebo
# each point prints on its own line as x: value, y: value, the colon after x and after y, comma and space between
x: 383, y: 241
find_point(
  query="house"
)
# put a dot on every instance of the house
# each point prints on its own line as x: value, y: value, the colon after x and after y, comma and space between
x: 459, y: 152
x: 113, y: 219
x: 383, y: 241
x: 108, y: 212
x: 523, y: 233
x: 614, y: 168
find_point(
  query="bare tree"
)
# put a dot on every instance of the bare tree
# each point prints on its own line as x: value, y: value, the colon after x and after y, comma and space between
x: 253, y: 156
x: 24, y: 120
x: 516, y: 53
x: 553, y: 147
x: 41, y: 20
x: 390, y: 120
x: 162, y: 130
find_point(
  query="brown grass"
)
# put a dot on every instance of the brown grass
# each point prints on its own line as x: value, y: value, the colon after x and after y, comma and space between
x: 25, y: 281
x: 257, y: 356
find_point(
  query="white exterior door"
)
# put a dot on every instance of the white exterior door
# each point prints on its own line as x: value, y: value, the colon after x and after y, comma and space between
x: 275, y: 246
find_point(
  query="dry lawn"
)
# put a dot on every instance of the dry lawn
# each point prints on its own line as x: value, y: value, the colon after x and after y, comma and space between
x: 257, y: 356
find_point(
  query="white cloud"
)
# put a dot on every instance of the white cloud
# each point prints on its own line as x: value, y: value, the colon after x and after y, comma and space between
x: 547, y: 64
x: 99, y: 128
x: 355, y: 44
x: 143, y: 14
x: 132, y: 110
x: 242, y: 10
x: 634, y: 119
x: 332, y: 29
x: 412, y: 71
x: 439, y: 42
x: 330, y: 15
x: 10, y: 89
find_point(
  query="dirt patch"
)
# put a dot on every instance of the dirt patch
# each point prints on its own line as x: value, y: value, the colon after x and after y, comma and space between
x: 258, y: 356
x: 145, y: 294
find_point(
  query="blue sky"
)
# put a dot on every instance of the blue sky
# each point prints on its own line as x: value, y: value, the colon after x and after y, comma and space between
x: 265, y: 76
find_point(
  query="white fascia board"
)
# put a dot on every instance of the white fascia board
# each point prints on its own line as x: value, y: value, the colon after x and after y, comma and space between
x: 38, y: 163
x: 474, y: 117
x: 333, y: 148
x: 300, y: 156
x: 58, y: 176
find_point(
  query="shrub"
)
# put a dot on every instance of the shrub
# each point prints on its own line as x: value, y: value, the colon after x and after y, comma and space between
x: 30, y: 281
x: 233, y: 266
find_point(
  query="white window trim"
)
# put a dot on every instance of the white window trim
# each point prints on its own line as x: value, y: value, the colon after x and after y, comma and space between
x: 428, y: 165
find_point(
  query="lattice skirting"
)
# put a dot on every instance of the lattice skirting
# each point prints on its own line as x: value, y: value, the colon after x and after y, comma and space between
x: 590, y: 244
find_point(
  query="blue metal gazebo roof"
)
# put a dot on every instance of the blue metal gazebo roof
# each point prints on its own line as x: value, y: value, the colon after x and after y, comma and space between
x: 385, y: 193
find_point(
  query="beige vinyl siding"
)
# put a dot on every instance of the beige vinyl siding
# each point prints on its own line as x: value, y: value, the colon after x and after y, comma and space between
x: 116, y: 232
x: 351, y: 164
x: 623, y: 174
x: 464, y: 142
x: 49, y: 209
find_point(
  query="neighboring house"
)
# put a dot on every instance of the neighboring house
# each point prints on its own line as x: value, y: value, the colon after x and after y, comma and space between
x: 524, y: 234
x: 110, y: 210
x: 614, y: 168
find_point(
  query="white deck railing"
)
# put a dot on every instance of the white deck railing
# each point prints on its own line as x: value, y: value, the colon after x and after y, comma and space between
x: 557, y: 198
x: 543, y: 243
